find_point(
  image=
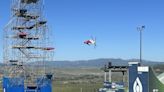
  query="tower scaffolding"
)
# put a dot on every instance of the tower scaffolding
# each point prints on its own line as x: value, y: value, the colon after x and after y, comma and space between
x: 27, y: 45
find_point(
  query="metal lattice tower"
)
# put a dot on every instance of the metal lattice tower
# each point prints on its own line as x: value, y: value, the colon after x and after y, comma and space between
x: 26, y: 41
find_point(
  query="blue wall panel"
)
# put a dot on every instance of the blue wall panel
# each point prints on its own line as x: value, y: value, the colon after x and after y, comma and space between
x: 13, y: 84
x: 144, y: 80
x: 133, y: 73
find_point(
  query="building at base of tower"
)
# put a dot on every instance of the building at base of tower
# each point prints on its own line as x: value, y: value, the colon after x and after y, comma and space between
x: 17, y: 85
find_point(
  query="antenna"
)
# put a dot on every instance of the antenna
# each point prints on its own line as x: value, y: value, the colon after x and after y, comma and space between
x: 140, y: 29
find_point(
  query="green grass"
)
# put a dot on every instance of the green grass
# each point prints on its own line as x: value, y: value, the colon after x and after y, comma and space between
x: 154, y: 83
x: 77, y: 87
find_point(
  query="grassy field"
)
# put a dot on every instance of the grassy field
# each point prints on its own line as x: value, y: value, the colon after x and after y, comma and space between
x: 83, y: 87
x: 80, y: 79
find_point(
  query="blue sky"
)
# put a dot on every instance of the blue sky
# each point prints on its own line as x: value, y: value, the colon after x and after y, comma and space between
x: 112, y: 22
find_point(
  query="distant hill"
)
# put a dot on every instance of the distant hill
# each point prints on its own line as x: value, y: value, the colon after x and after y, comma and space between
x: 96, y: 63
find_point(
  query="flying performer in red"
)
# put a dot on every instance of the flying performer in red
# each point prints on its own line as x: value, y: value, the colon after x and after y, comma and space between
x: 90, y: 42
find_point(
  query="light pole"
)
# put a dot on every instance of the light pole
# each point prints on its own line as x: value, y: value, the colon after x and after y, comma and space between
x: 140, y: 29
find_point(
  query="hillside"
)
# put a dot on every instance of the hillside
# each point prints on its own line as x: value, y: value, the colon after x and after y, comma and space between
x: 96, y: 63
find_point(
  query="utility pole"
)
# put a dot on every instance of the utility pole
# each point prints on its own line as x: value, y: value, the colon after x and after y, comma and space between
x: 140, y: 29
